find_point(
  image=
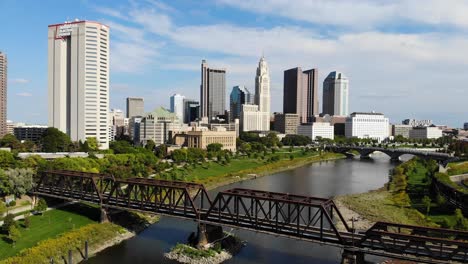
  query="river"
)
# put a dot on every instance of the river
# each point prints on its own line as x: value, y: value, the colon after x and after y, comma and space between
x: 324, y: 179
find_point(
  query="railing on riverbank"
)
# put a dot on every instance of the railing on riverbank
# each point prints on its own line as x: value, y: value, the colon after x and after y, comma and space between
x: 295, y: 216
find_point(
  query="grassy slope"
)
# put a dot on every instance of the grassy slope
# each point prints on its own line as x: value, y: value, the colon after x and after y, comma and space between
x: 216, y: 174
x: 50, y: 225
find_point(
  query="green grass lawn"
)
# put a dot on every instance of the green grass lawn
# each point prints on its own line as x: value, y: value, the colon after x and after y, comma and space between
x: 49, y: 225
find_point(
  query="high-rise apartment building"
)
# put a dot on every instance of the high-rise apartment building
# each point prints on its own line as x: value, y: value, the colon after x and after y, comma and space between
x: 177, y: 105
x: 335, y: 94
x: 78, y: 80
x: 3, y: 94
x: 212, y: 91
x: 300, y: 94
x: 239, y: 95
x: 135, y: 107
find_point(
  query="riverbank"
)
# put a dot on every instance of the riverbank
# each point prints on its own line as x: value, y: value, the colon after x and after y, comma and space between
x: 267, y: 169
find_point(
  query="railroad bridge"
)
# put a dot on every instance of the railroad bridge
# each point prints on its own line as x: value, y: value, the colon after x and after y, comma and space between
x: 393, y: 153
x: 300, y: 217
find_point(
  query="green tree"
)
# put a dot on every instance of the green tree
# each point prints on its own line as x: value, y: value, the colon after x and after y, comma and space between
x: 214, y: 147
x: 7, y: 160
x: 92, y: 143
x: 14, y: 234
x: 10, y: 141
x: 8, y: 221
x: 461, y: 222
x: 3, y: 208
x: 54, y: 140
x: 27, y: 220
x: 21, y: 180
x: 41, y: 205
x: 427, y: 203
x: 150, y: 145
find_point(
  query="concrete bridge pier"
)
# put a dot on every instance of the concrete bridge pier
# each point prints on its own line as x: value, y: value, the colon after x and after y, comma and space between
x: 104, y: 215
x: 206, y: 234
x: 352, y: 256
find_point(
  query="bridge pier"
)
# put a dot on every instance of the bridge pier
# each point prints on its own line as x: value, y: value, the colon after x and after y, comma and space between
x: 352, y: 256
x: 104, y: 215
x: 206, y: 234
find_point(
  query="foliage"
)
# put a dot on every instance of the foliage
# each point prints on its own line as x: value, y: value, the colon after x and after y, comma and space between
x: 461, y: 222
x: 57, y: 247
x: 296, y: 140
x: 20, y: 181
x: 3, y: 208
x: 27, y: 220
x: 10, y: 141
x: 8, y: 221
x: 7, y: 160
x: 14, y: 234
x: 54, y: 140
x: 459, y: 147
x: 93, y: 144
x: 214, y: 147
x: 427, y: 203
x: 194, y: 253
x: 150, y: 145
x: 41, y: 205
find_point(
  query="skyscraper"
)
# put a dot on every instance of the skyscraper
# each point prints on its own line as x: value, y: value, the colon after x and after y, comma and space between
x: 135, y: 107
x: 78, y: 80
x: 212, y: 91
x: 191, y: 110
x: 262, y: 93
x: 239, y: 95
x: 300, y: 94
x: 335, y: 94
x: 3, y: 94
x: 177, y: 106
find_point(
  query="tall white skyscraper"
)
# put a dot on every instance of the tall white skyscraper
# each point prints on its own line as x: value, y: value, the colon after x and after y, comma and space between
x: 78, y: 80
x: 177, y: 106
x: 335, y: 94
x: 262, y: 93
x: 257, y: 116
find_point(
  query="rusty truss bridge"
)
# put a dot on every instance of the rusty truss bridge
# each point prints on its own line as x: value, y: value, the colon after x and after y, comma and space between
x: 300, y: 217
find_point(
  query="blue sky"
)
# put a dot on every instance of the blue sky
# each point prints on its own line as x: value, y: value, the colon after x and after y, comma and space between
x: 403, y: 58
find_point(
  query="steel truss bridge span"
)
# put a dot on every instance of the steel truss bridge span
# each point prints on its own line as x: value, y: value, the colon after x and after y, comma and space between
x: 296, y: 216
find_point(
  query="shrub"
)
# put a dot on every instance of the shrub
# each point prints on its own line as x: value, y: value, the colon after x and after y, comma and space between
x: 8, y: 221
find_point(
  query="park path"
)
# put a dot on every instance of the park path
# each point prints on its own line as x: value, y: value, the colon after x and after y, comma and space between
x: 19, y: 217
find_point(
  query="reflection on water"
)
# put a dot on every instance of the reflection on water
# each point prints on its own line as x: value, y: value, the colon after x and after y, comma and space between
x: 325, y: 179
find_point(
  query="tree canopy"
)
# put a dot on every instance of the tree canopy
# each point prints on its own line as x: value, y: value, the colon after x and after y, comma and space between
x: 54, y: 140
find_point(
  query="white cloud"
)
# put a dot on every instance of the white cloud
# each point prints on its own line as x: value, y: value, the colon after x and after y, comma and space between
x: 361, y: 13
x: 19, y: 81
x: 24, y: 94
x: 411, y: 71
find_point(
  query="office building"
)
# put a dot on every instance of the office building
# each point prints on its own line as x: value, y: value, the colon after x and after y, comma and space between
x: 177, y: 105
x: 300, y: 94
x: 465, y: 126
x: 335, y: 94
x: 202, y: 138
x: 316, y: 130
x: 157, y: 125
x: 401, y: 130
x: 428, y: 132
x: 10, y: 126
x: 286, y: 123
x: 212, y: 91
x: 134, y: 129
x: 417, y: 123
x: 78, y: 80
x: 239, y: 95
x: 191, y: 110
x: 29, y: 132
x: 135, y: 107
x: 262, y: 93
x: 367, y: 125
x: 117, y: 126
x: 251, y: 119
x: 3, y: 94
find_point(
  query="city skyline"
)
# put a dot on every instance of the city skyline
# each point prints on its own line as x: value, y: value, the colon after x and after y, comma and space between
x: 416, y: 51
